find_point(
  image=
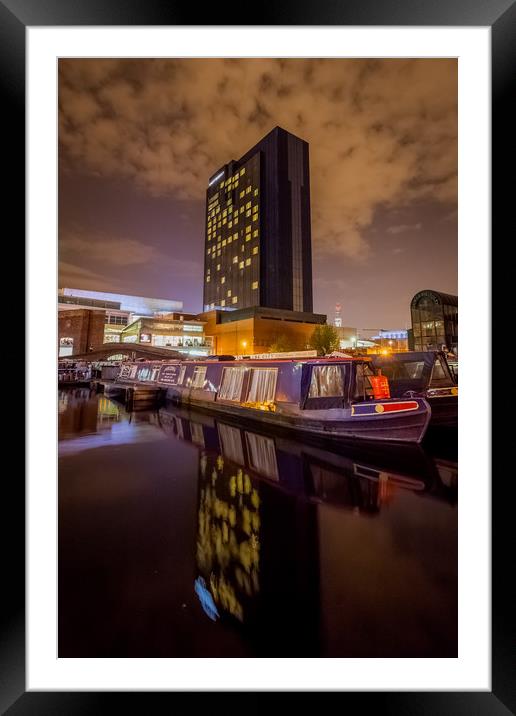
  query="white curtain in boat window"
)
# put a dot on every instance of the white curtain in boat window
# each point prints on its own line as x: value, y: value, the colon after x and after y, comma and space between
x: 231, y: 384
x: 262, y: 385
x: 326, y: 381
x: 198, y: 377
x: 181, y: 377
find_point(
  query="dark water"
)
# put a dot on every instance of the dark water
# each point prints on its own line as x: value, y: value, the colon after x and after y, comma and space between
x: 184, y: 535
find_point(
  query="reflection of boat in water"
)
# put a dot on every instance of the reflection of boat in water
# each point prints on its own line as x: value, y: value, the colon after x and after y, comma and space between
x: 423, y: 374
x: 353, y: 476
x: 73, y: 373
x: 337, y: 398
x: 265, y: 505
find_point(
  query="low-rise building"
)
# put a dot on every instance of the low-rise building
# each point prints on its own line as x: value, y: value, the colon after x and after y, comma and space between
x: 185, y: 335
x: 257, y: 330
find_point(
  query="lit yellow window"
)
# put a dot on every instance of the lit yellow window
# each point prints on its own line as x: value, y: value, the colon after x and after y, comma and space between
x: 223, y: 302
x: 229, y: 293
x: 241, y: 265
x: 248, y: 213
x: 225, y: 212
x: 241, y: 194
x: 223, y: 279
x: 255, y: 193
x: 208, y: 279
x: 255, y: 217
x: 242, y: 247
x: 224, y: 221
x: 235, y: 220
x: 248, y: 237
x: 242, y: 172
x: 230, y: 209
x: 235, y: 259
x: 248, y: 262
x: 248, y: 190
x: 218, y: 252
x: 255, y: 233
x: 248, y: 205
x: 236, y: 183
x: 217, y: 210
x: 255, y: 249
x: 241, y: 209
x: 230, y: 240
x: 248, y: 229
x: 254, y: 285
x: 218, y: 267
x: 230, y: 224
x: 234, y: 299
x: 223, y: 242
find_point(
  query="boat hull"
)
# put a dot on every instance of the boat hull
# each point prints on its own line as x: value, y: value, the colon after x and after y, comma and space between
x: 444, y: 411
x: 402, y: 427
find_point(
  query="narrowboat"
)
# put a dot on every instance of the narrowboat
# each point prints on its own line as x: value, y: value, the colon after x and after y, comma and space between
x: 332, y: 397
x: 77, y: 373
x: 426, y: 375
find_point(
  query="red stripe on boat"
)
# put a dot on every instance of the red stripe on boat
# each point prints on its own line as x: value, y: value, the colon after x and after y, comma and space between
x: 393, y: 407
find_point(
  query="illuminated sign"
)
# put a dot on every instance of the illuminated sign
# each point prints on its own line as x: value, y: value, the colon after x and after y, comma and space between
x: 216, y: 178
x: 145, y: 337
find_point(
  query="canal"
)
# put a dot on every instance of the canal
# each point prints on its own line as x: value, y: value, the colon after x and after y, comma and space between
x: 183, y: 535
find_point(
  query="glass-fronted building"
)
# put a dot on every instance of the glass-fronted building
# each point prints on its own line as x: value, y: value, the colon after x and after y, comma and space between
x: 258, y: 240
x: 435, y: 321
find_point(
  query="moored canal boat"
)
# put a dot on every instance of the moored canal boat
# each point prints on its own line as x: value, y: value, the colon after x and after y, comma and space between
x: 332, y: 397
x: 422, y: 374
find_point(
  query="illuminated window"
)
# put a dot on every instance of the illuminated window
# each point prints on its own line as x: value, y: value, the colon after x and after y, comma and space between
x: 234, y: 299
x: 241, y: 209
x: 230, y: 240
x: 248, y: 229
x: 255, y: 192
x: 218, y: 267
x: 225, y: 212
x: 248, y: 237
x: 242, y: 172
x: 248, y: 190
x: 241, y: 265
x: 248, y: 262
x: 223, y: 302
x: 255, y: 249
x: 224, y: 221
x: 255, y: 216
x: 235, y: 235
x: 231, y: 384
x: 230, y: 224
x: 229, y: 293
x: 255, y: 233
x: 218, y: 252
x: 235, y: 259
x: 223, y: 242
x: 248, y: 205
x: 254, y: 285
x: 241, y: 194
x: 208, y: 279
x: 223, y: 279
x: 235, y: 219
x: 242, y: 248
x: 248, y: 213
x: 199, y: 376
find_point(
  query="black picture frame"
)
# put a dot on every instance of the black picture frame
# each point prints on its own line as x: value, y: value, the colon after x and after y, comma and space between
x: 15, y: 17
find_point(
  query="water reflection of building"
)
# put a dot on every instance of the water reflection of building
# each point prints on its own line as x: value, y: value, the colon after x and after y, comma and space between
x: 263, y: 502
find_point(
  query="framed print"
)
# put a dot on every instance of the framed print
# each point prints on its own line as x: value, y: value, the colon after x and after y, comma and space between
x: 252, y: 491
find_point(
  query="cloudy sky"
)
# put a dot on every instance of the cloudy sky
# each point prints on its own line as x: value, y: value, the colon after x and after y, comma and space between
x: 140, y: 138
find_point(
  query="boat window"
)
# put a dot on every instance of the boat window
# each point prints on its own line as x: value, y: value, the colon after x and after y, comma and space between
x: 181, y: 376
x: 262, y: 385
x: 231, y: 384
x: 402, y: 370
x: 198, y: 377
x: 363, y: 388
x: 440, y: 376
x: 326, y: 381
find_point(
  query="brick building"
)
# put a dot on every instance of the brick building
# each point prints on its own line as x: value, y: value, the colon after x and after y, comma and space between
x: 79, y: 330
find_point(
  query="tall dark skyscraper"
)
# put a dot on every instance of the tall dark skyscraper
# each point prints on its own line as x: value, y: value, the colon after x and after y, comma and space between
x: 258, y: 241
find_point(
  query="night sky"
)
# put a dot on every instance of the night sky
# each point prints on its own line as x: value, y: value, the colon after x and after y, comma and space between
x: 140, y: 138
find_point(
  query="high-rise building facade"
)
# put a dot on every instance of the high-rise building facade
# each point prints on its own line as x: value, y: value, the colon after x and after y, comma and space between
x: 258, y: 239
